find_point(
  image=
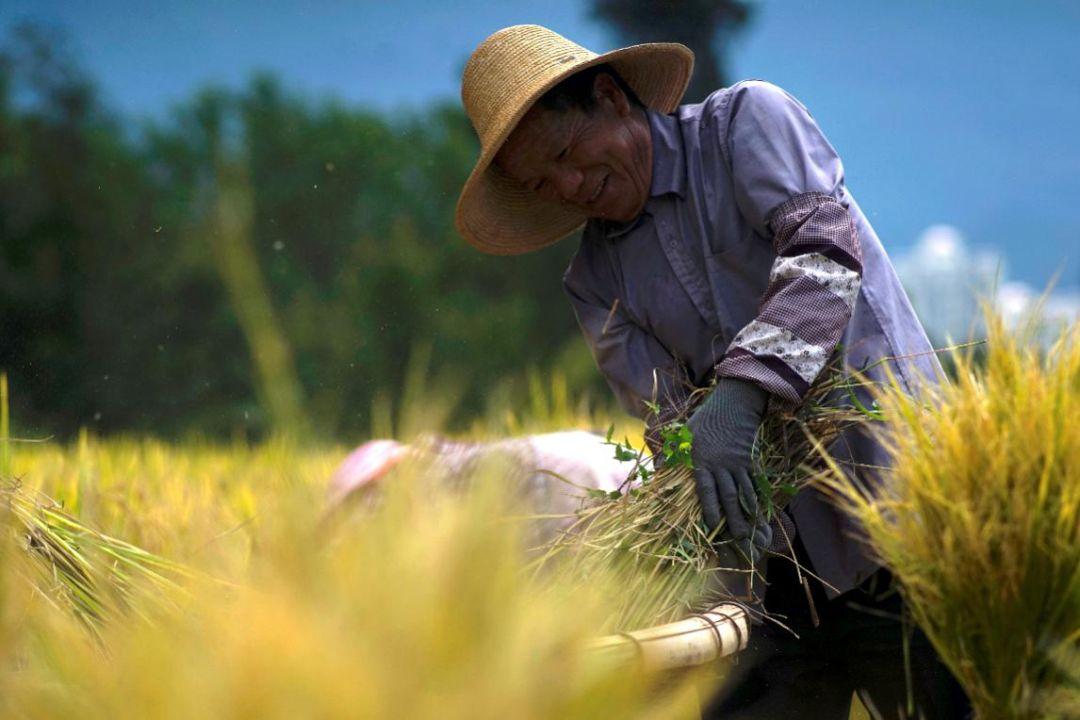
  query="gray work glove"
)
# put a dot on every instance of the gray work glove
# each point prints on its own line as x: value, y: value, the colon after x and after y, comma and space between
x: 724, y: 426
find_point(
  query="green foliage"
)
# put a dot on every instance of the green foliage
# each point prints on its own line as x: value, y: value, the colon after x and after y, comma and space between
x: 114, y: 309
x: 676, y: 445
x: 625, y: 452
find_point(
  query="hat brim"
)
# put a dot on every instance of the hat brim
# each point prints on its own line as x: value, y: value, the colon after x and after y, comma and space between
x: 496, y: 215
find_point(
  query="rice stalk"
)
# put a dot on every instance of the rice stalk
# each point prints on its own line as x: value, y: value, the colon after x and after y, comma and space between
x: 97, y: 577
x: 5, y: 429
x: 981, y: 524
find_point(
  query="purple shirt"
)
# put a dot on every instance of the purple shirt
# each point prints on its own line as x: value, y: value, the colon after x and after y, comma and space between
x: 750, y: 259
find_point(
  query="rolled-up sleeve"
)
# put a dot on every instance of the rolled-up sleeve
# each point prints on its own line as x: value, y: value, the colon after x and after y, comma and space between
x: 788, y: 182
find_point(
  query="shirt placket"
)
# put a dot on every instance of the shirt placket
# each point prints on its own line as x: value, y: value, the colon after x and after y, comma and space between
x: 689, y: 274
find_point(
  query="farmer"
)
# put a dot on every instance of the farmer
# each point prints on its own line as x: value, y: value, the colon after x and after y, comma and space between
x: 720, y: 243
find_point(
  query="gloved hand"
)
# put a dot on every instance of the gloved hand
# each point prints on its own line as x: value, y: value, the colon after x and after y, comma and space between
x: 724, y: 426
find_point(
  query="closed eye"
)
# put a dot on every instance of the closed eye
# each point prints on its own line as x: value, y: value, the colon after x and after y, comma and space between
x: 563, y: 153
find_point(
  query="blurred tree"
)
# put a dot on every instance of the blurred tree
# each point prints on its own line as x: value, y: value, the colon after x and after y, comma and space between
x: 119, y: 308
x: 104, y: 321
x: 705, y: 26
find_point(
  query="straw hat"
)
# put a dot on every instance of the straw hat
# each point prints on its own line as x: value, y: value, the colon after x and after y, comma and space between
x: 506, y: 74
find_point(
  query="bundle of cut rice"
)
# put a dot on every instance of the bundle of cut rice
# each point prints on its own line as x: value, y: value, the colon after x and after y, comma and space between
x: 652, y: 527
x: 95, y: 576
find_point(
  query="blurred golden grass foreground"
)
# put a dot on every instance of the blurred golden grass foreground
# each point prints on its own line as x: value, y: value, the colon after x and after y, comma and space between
x: 982, y: 522
x: 419, y: 609
x: 423, y: 606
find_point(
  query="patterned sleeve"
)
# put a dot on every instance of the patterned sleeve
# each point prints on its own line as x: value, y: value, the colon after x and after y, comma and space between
x: 812, y: 289
x: 788, y: 183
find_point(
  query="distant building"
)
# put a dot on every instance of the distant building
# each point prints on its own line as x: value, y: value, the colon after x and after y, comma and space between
x: 947, y: 281
x: 1017, y: 302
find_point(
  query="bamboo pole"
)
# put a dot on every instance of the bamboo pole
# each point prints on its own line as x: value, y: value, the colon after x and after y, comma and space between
x: 716, y: 633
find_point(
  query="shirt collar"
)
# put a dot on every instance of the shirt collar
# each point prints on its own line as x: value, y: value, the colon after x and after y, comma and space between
x: 668, y: 167
x: 668, y: 162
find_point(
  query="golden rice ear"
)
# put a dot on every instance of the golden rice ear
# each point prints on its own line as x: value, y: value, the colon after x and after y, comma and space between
x: 980, y: 522
x: 506, y: 74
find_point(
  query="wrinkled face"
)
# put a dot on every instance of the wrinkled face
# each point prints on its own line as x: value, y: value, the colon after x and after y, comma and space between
x: 598, y: 162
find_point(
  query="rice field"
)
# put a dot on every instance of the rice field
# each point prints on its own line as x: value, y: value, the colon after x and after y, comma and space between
x: 258, y: 605
x: 421, y: 610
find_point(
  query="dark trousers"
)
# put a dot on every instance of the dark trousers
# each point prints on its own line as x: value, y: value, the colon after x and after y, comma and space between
x: 858, y: 647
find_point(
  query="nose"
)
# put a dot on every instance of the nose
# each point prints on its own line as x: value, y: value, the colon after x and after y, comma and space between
x: 567, y: 181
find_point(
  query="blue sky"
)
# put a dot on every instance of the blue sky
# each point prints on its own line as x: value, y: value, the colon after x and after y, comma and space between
x: 964, y: 112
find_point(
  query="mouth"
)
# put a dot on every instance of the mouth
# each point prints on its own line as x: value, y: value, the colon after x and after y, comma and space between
x: 599, y: 189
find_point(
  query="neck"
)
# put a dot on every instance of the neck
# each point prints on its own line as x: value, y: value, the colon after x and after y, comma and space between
x: 639, y: 127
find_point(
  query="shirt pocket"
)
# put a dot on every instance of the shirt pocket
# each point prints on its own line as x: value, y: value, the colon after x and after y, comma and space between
x: 738, y: 277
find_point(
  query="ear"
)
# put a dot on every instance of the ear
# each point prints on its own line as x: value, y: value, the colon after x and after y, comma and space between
x: 607, y: 92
